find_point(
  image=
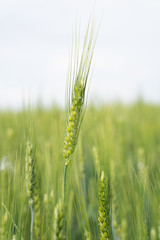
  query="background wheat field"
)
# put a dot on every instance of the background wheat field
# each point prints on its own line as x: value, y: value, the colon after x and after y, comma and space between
x: 123, y: 141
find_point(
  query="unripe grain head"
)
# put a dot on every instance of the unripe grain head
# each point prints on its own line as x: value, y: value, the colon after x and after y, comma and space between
x: 76, y: 90
x: 104, y: 213
x: 30, y: 172
x: 59, y: 222
x: 87, y: 235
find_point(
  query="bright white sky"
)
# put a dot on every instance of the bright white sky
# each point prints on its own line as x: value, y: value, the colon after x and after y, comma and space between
x: 36, y: 35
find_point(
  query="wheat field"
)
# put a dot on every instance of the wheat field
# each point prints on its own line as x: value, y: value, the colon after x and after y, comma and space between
x: 123, y: 141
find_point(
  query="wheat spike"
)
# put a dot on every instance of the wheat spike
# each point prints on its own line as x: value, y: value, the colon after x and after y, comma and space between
x: 30, y: 175
x: 59, y: 222
x: 87, y: 235
x: 37, y: 213
x: 104, y: 218
x: 76, y: 91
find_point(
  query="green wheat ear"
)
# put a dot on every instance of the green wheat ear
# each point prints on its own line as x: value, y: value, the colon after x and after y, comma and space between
x: 104, y: 211
x: 87, y: 235
x: 59, y: 222
x: 37, y: 212
x: 30, y: 175
x: 76, y: 91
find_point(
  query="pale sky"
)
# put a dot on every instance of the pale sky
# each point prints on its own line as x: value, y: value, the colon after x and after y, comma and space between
x: 36, y: 35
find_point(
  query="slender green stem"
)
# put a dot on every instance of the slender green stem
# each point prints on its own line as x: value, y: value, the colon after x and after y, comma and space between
x: 32, y: 221
x: 64, y: 182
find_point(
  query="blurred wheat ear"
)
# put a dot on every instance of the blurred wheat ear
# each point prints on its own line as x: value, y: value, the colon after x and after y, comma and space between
x: 30, y: 179
x: 104, y: 211
x: 59, y: 222
x: 87, y: 235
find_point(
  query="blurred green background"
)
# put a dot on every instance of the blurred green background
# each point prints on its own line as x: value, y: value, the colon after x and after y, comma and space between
x: 124, y: 141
